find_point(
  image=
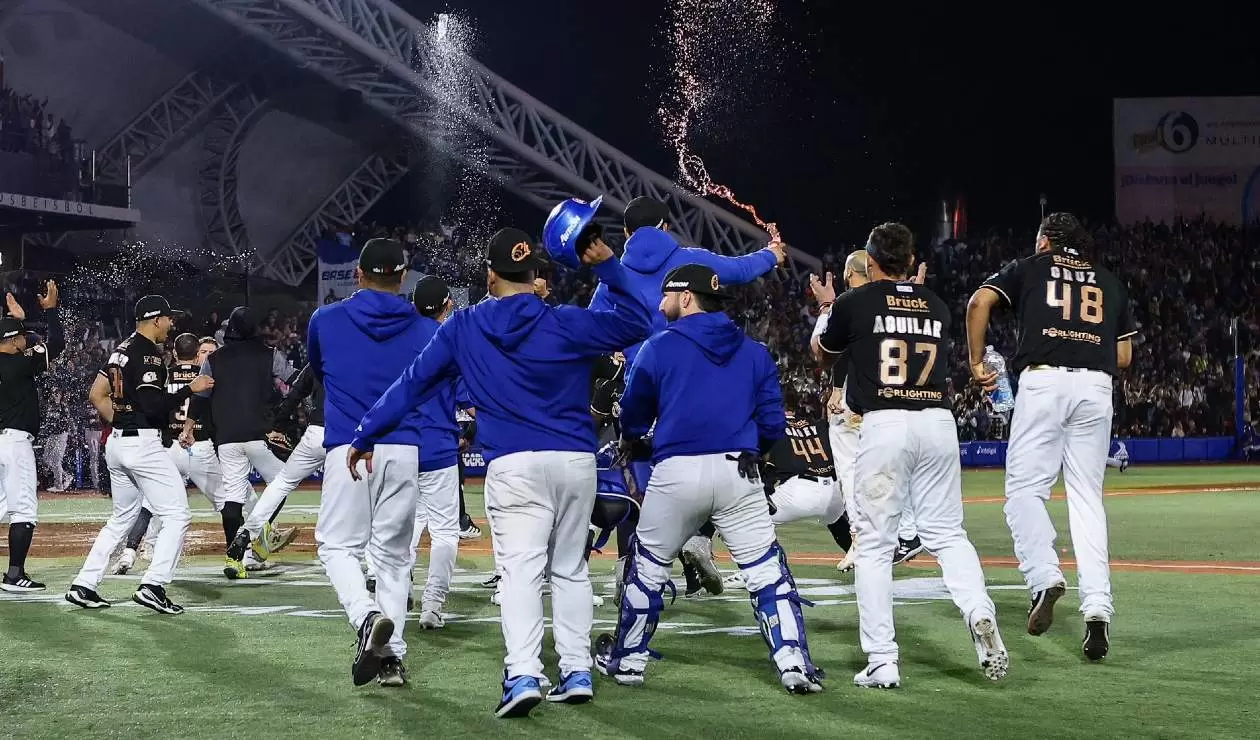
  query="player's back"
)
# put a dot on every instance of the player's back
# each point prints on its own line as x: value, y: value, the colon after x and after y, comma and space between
x: 1070, y: 311
x: 804, y: 451
x: 179, y: 375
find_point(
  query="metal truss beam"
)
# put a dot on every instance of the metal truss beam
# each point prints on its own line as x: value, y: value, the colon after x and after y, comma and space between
x: 217, y: 206
x: 296, y: 256
x: 373, y: 47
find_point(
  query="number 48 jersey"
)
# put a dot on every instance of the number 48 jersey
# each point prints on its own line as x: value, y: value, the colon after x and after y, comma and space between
x: 1070, y: 313
x: 896, y: 337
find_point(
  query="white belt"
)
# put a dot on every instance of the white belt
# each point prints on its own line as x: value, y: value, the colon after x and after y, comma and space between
x: 135, y: 433
x: 17, y: 433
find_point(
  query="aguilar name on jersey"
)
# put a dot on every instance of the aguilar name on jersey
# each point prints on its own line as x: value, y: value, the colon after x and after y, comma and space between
x: 179, y: 375
x: 1070, y: 313
x: 896, y: 338
x: 806, y: 450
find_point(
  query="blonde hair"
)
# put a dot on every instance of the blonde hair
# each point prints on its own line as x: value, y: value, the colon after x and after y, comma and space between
x: 856, y: 263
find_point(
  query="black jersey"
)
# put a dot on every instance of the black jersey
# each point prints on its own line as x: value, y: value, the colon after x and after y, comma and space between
x: 806, y: 450
x: 137, y: 385
x: 178, y: 376
x: 19, y: 398
x: 896, y: 340
x: 1071, y: 313
x: 608, y: 383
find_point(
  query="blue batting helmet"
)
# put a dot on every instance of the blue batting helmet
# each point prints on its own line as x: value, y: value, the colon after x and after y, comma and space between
x: 564, y: 225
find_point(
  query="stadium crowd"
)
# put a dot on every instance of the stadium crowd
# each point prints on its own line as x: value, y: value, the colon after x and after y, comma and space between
x: 1186, y: 284
x: 26, y: 125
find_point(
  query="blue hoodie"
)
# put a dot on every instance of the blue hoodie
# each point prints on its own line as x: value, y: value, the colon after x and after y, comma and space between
x: 439, y: 432
x: 650, y: 255
x: 357, y: 347
x: 527, y: 367
x: 709, y: 388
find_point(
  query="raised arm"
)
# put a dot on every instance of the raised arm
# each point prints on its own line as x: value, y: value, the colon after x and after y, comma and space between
x: 742, y: 269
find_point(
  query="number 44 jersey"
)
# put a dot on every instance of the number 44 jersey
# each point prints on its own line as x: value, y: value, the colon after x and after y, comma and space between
x: 896, y: 337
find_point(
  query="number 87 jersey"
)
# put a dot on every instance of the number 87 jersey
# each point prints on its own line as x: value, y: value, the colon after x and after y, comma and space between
x: 1070, y: 313
x: 896, y: 338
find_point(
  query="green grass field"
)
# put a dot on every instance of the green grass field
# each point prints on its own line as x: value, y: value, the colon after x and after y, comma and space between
x: 270, y: 655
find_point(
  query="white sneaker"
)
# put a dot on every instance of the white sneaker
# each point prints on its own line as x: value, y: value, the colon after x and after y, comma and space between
x: 879, y: 676
x: 990, y: 650
x: 496, y: 598
x: 431, y: 616
x: 850, y: 558
x: 126, y: 561
x: 735, y: 580
x: 597, y: 600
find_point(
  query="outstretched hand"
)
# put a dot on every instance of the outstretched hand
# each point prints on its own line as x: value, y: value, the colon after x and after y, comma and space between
x: 921, y: 275
x: 352, y: 461
x: 15, y: 308
x: 49, y: 298
x: 824, y: 290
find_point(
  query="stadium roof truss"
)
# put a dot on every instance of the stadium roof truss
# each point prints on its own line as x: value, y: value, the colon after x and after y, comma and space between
x: 218, y: 209
x: 374, y: 48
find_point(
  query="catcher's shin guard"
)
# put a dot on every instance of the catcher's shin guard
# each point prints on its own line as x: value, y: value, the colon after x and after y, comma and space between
x: 642, y: 602
x: 777, y: 606
x: 611, y: 510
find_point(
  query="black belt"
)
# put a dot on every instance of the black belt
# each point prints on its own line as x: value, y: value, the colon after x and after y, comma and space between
x: 130, y: 432
x: 1059, y: 367
x: 804, y: 476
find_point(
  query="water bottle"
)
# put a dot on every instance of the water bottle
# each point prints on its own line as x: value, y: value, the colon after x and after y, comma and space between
x: 1002, y: 398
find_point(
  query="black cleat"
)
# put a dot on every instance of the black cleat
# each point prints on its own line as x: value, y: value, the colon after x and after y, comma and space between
x: 907, y: 550
x: 371, y: 585
x: 1097, y: 639
x: 492, y: 581
x: 374, y: 634
x: 393, y: 672
x: 86, y: 598
x: 240, y: 543
x: 1041, y: 611
x: 20, y: 585
x: 155, y: 598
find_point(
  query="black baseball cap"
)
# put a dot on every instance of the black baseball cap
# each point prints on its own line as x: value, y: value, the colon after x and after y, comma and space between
x: 10, y: 328
x: 383, y: 257
x: 430, y: 294
x: 152, y: 306
x: 511, y: 250
x: 645, y: 211
x: 698, y: 279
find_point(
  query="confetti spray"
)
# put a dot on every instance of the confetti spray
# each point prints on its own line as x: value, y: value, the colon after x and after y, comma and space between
x: 695, y: 29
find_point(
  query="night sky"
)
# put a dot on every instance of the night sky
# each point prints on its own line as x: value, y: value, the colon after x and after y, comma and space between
x: 870, y: 118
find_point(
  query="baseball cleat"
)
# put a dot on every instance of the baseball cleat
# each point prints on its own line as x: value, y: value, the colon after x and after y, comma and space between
x: 1124, y: 465
x: 254, y: 566
x: 990, y: 650
x: 603, y: 663
x: 736, y: 580
x: 126, y: 561
x: 20, y: 585
x: 575, y: 688
x: 468, y: 530
x: 597, y: 600
x: 155, y: 598
x: 520, y: 695
x: 239, y: 546
x: 281, y: 537
x: 1041, y: 611
x: 879, y: 676
x: 370, y: 585
x: 145, y: 553
x: 797, y: 681
x: 431, y: 616
x: 907, y: 550
x: 697, y: 552
x: 1097, y: 639
x: 234, y: 570
x: 393, y: 672
x: 496, y: 598
x: 374, y: 635
x: 492, y: 581
x: 86, y: 598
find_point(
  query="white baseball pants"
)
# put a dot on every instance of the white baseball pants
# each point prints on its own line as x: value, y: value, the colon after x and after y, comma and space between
x: 1062, y: 422
x: 909, y: 459
x: 800, y: 498
x: 844, y: 446
x: 18, y: 484
x: 200, y: 465
x: 375, y: 514
x: 54, y: 457
x: 140, y: 468
x: 307, y: 458
x: 439, y: 511
x: 235, y: 461
x: 539, y: 506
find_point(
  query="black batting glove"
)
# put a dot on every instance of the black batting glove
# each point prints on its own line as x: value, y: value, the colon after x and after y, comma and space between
x: 749, y: 465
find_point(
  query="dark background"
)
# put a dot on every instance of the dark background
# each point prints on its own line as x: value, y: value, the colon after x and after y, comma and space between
x: 857, y: 118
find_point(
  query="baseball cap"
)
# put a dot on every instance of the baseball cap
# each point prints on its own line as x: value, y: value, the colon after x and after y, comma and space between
x: 698, y: 279
x: 10, y: 328
x: 511, y: 250
x: 430, y: 294
x: 152, y: 306
x: 382, y: 257
x: 645, y: 211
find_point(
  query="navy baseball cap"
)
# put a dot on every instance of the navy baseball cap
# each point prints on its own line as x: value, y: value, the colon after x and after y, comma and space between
x: 153, y: 306
x: 383, y: 257
x: 698, y: 279
x: 430, y: 294
x: 512, y: 251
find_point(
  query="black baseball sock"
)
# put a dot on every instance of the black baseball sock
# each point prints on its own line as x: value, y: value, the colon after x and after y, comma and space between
x: 279, y: 508
x: 840, y: 532
x: 463, y: 509
x: 707, y: 530
x: 20, y: 535
x: 138, y: 528
x: 233, y: 519
x: 590, y: 541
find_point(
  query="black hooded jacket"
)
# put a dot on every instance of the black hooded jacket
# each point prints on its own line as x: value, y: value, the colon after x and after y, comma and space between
x: 244, y: 370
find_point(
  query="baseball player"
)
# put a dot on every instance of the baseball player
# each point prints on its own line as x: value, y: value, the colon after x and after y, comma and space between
x: 894, y: 331
x: 714, y: 395
x: 358, y: 347
x: 196, y: 461
x: 247, y: 371
x: 1074, y: 336
x: 527, y: 367
x: 130, y: 394
x: 20, y: 364
x: 1120, y: 458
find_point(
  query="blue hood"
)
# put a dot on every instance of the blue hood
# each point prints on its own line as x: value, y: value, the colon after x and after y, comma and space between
x: 509, y: 321
x: 380, y: 315
x: 714, y: 333
x: 648, y: 249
